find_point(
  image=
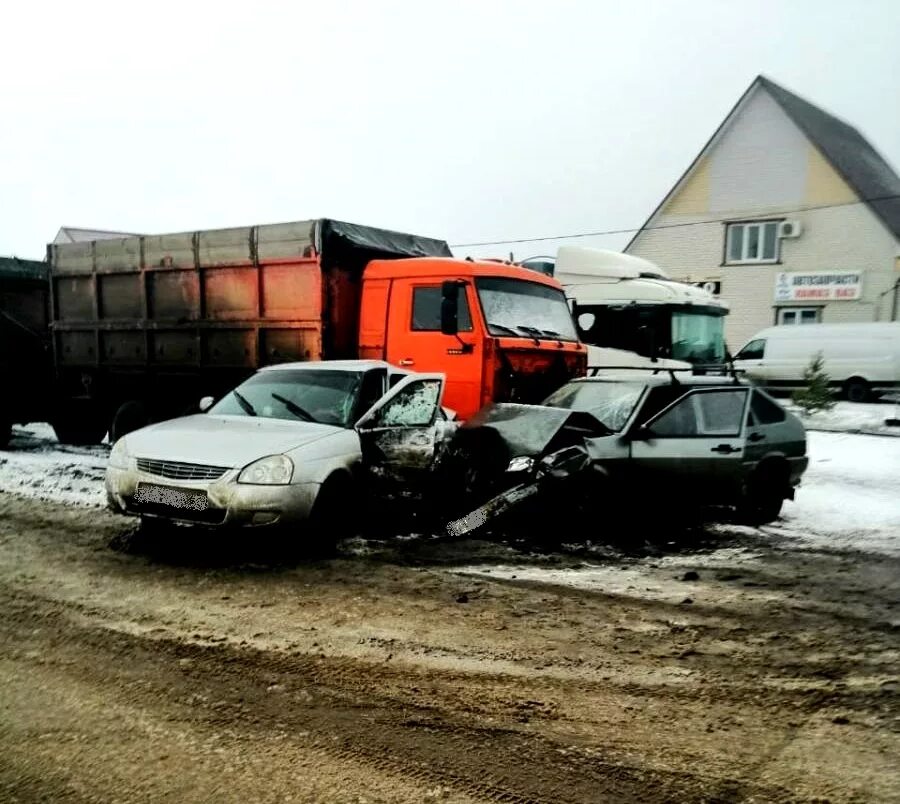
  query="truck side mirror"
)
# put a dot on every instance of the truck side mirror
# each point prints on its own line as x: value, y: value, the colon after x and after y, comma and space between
x: 450, y: 307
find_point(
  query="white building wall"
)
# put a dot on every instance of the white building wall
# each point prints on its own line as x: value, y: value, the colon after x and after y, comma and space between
x: 759, y: 168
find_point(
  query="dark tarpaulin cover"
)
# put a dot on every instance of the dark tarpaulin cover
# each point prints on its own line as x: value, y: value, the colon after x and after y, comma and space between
x: 12, y: 268
x: 339, y: 239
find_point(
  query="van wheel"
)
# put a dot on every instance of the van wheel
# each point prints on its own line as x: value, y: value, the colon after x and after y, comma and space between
x: 856, y: 389
x: 130, y: 416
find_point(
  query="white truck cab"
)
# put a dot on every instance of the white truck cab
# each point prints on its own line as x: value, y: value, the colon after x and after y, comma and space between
x: 628, y: 311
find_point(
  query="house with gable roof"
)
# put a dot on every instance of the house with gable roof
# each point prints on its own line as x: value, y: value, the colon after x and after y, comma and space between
x: 788, y: 213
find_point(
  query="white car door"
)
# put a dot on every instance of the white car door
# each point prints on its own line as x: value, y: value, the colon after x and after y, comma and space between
x: 399, y: 434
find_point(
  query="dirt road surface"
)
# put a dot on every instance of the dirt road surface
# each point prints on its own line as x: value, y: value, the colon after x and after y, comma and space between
x: 206, y: 670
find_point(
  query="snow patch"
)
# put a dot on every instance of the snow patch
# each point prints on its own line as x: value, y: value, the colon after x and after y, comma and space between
x: 36, y: 465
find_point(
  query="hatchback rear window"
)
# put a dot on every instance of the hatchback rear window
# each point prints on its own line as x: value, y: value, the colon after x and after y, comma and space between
x: 764, y: 410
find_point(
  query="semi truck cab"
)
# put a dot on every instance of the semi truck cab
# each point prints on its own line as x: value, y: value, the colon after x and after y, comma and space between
x: 499, y: 332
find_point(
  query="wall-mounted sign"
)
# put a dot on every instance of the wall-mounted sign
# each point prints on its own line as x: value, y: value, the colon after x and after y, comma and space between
x: 710, y: 287
x: 819, y: 286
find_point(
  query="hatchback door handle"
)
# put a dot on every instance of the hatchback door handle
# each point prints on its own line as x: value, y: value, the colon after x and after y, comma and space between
x: 725, y: 449
x: 407, y: 361
x: 756, y: 436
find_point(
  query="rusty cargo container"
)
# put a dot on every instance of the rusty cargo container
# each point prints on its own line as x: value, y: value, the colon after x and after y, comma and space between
x: 142, y: 327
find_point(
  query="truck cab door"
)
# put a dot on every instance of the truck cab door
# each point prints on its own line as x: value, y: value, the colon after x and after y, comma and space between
x: 693, y: 450
x: 399, y: 435
x: 415, y: 340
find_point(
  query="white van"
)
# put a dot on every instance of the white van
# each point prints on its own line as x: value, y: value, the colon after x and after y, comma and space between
x: 860, y: 359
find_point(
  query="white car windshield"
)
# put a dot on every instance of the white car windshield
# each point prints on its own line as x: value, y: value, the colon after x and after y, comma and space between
x: 530, y: 309
x: 327, y: 397
x: 610, y: 402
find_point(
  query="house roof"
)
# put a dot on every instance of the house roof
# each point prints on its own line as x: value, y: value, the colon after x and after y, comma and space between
x: 849, y: 153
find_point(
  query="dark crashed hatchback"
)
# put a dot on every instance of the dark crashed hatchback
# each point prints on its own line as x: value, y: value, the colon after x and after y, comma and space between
x: 630, y: 443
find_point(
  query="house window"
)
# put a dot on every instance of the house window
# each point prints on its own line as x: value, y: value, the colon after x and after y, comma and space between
x: 799, y: 315
x: 751, y: 242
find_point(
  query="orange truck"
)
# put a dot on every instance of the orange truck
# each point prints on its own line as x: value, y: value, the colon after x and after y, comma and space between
x: 144, y: 326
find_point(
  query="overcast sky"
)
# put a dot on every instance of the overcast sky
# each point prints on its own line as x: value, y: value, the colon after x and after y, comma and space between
x: 466, y: 121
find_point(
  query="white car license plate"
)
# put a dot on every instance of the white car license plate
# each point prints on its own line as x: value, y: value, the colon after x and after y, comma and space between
x: 176, y: 498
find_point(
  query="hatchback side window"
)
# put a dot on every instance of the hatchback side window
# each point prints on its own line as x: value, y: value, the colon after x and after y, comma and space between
x: 764, y: 410
x: 755, y: 350
x: 709, y: 413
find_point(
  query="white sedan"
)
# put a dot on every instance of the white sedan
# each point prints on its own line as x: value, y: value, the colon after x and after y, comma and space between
x: 285, y: 446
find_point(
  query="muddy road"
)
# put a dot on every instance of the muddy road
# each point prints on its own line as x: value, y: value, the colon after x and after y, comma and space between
x: 205, y: 670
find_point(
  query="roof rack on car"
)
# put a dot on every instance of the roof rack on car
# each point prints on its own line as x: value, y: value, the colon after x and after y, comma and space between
x: 593, y: 370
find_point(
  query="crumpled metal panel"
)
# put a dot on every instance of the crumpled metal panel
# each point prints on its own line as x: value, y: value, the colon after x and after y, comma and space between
x: 525, y: 429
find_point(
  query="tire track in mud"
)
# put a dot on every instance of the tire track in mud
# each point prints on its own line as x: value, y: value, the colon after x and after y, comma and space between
x: 338, y: 707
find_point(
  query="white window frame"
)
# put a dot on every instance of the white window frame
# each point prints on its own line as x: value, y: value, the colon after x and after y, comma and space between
x: 797, y: 311
x: 745, y: 227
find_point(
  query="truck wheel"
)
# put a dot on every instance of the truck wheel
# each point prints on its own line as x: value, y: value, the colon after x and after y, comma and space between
x: 856, y: 389
x: 81, y: 424
x: 130, y: 416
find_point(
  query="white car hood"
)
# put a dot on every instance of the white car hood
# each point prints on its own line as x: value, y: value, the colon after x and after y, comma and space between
x: 232, y: 441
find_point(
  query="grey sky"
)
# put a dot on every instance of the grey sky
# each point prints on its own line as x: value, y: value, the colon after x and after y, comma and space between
x: 467, y: 121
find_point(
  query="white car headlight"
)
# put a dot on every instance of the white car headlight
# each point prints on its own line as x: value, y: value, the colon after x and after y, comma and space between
x: 119, y: 456
x: 274, y: 470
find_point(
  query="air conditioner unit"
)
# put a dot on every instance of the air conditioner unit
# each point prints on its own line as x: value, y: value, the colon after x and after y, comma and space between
x: 789, y: 229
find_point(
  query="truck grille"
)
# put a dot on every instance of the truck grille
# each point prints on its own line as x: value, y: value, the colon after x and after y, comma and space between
x: 175, y: 470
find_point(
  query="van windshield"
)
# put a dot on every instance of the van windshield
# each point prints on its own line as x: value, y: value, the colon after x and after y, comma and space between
x: 517, y: 307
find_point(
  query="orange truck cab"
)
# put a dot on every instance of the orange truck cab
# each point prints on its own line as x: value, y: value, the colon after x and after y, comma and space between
x: 499, y: 332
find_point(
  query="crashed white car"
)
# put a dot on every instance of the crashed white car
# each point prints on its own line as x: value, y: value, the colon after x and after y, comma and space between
x: 285, y: 446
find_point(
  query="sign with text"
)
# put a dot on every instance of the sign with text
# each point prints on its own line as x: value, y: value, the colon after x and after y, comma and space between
x: 819, y: 286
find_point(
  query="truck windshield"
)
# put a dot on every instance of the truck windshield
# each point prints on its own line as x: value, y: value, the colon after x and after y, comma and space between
x: 308, y: 395
x: 698, y: 337
x: 517, y: 307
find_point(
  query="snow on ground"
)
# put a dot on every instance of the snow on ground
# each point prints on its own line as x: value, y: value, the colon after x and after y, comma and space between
x: 850, y: 495
x: 849, y: 500
x: 850, y: 417
x: 37, y: 465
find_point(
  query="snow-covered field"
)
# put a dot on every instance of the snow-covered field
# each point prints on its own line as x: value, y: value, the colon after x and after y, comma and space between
x: 850, y: 417
x: 37, y: 465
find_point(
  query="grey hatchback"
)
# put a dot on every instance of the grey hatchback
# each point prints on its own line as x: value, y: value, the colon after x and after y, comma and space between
x: 659, y: 440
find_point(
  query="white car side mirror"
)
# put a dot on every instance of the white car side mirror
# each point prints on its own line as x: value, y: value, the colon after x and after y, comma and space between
x: 206, y: 403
